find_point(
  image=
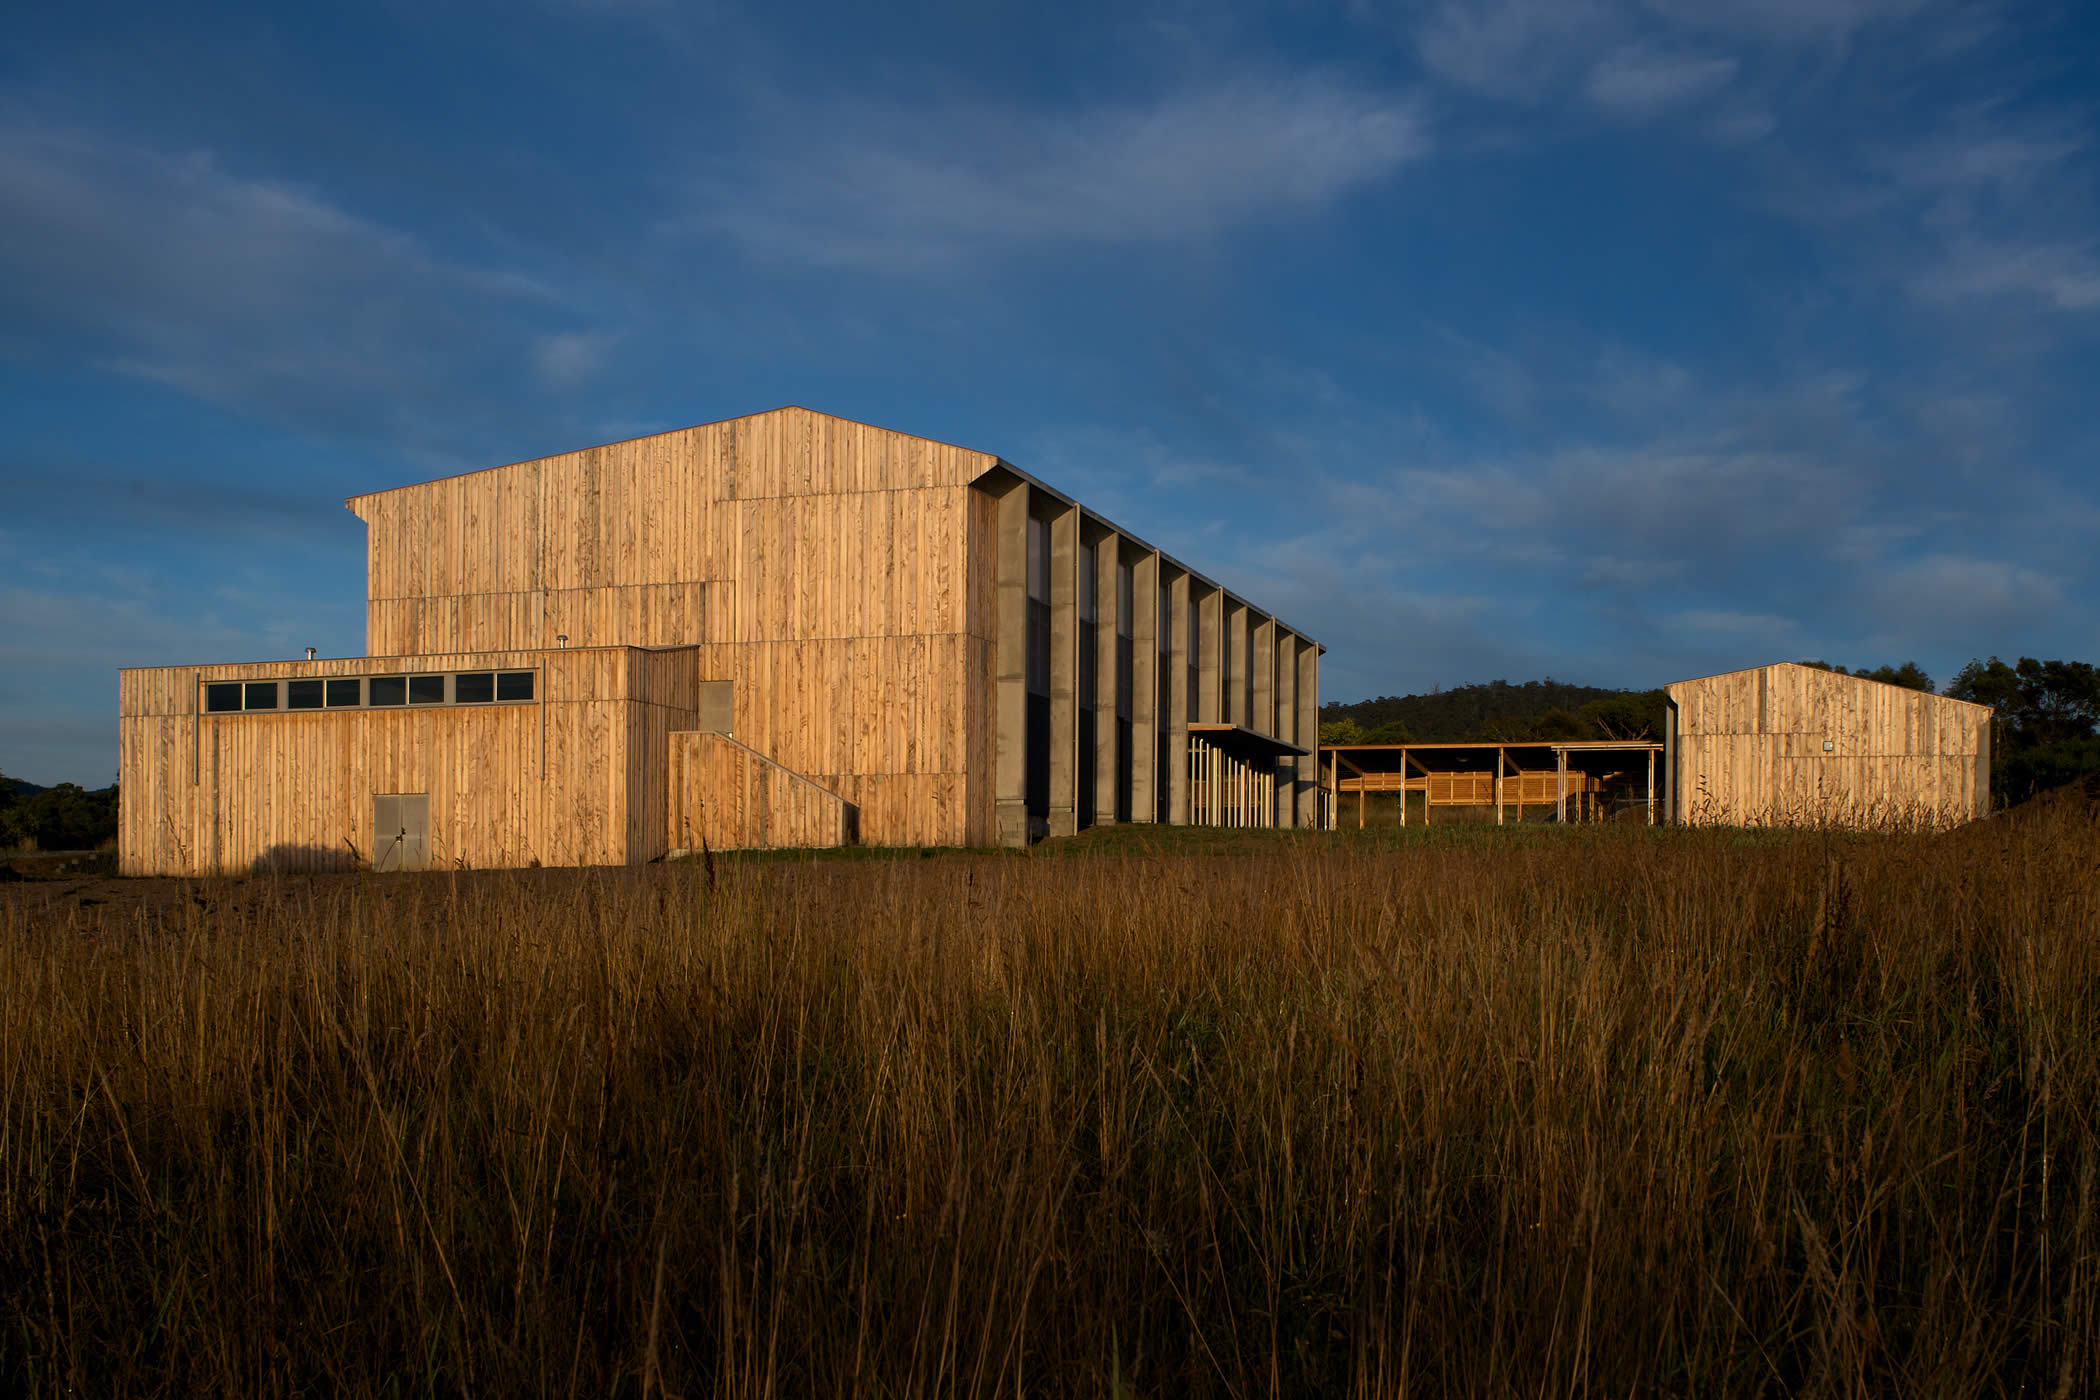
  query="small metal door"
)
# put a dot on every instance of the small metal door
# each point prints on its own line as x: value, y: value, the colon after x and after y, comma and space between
x: 400, y: 831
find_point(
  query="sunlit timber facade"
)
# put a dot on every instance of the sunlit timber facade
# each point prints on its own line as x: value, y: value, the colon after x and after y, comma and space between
x: 788, y: 629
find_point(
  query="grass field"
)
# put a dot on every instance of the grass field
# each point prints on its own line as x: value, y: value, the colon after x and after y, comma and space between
x: 1609, y: 1111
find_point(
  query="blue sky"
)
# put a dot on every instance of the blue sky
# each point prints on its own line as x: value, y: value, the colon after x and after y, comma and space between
x: 1621, y: 340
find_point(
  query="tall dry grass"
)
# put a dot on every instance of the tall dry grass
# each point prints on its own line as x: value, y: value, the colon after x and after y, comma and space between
x: 1600, y: 1112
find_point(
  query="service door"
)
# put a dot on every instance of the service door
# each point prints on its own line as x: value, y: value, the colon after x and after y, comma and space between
x: 400, y: 831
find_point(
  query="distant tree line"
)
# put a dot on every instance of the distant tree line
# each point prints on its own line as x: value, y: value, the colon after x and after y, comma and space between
x: 62, y: 818
x: 2046, y: 731
x: 1496, y: 712
x: 1909, y: 675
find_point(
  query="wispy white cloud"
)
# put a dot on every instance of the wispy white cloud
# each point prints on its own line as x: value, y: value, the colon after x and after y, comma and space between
x: 1763, y: 627
x: 1640, y: 81
x: 567, y: 359
x: 1518, y: 50
x: 2064, y: 275
x: 1786, y: 21
x: 858, y: 183
x: 1945, y: 591
x: 243, y: 290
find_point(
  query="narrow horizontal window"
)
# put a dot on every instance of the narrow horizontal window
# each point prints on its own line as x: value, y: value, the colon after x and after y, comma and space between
x: 426, y: 690
x: 474, y: 687
x: 260, y: 695
x: 222, y: 697
x: 514, y: 685
x: 389, y: 690
x: 302, y: 695
x: 345, y: 692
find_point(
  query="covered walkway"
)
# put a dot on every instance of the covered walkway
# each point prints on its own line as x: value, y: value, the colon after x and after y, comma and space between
x: 1577, y: 778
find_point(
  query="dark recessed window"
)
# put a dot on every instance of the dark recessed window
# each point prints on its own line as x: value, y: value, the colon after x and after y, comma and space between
x: 426, y: 690
x: 260, y: 695
x: 389, y: 690
x: 344, y: 692
x: 514, y: 685
x: 302, y: 695
x: 220, y: 698
x: 474, y: 687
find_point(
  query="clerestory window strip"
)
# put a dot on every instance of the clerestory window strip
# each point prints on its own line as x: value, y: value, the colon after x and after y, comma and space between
x: 409, y: 691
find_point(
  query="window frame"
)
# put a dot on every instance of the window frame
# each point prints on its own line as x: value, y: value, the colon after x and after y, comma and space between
x: 240, y: 689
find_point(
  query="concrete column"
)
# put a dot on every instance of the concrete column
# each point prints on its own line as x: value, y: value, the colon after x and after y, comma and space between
x: 1308, y: 699
x: 1210, y: 677
x: 1064, y: 672
x: 1262, y: 652
x: 1177, y: 716
x: 1144, y: 688
x: 1284, y: 664
x: 1010, y: 669
x: 1107, y: 550
x: 1235, y: 707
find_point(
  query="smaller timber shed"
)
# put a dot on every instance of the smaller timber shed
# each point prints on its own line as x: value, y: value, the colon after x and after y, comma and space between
x: 1794, y: 745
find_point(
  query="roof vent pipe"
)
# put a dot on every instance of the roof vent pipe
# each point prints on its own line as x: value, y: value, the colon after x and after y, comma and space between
x: 309, y: 653
x: 561, y: 639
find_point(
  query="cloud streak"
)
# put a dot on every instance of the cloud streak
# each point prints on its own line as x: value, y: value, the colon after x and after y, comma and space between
x: 1638, y: 82
x: 868, y: 185
x: 248, y: 292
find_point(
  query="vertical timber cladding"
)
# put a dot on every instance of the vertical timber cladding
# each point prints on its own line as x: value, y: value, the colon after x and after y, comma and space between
x: 554, y: 781
x: 821, y: 564
x: 859, y: 597
x: 1793, y: 744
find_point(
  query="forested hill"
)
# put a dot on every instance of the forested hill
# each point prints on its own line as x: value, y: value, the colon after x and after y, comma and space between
x: 1499, y: 710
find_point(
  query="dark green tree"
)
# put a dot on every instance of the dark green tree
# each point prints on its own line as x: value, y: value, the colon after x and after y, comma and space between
x: 2047, y: 712
x: 1341, y: 731
x: 1633, y: 714
x: 12, y: 831
x: 1909, y: 675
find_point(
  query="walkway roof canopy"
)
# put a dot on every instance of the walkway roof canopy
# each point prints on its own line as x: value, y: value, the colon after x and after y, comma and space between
x: 1584, y: 755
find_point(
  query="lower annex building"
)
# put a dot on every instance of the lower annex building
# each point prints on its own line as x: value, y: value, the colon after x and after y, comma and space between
x: 787, y: 629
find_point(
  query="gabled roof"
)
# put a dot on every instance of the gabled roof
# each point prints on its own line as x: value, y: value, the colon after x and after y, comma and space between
x: 667, y: 432
x: 992, y: 465
x: 1818, y: 670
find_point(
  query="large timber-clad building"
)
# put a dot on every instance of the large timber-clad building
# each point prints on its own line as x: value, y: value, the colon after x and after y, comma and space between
x: 780, y: 630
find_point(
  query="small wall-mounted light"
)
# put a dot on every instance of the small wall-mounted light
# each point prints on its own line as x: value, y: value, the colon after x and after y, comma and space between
x: 1829, y: 746
x: 561, y: 639
x: 309, y: 653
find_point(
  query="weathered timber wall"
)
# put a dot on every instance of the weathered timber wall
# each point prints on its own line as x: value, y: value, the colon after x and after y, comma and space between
x: 509, y: 785
x: 820, y: 565
x: 727, y: 796
x: 1748, y: 749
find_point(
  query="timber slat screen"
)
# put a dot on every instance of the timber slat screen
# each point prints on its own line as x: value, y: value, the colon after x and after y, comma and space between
x: 1787, y: 744
x: 1229, y: 791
